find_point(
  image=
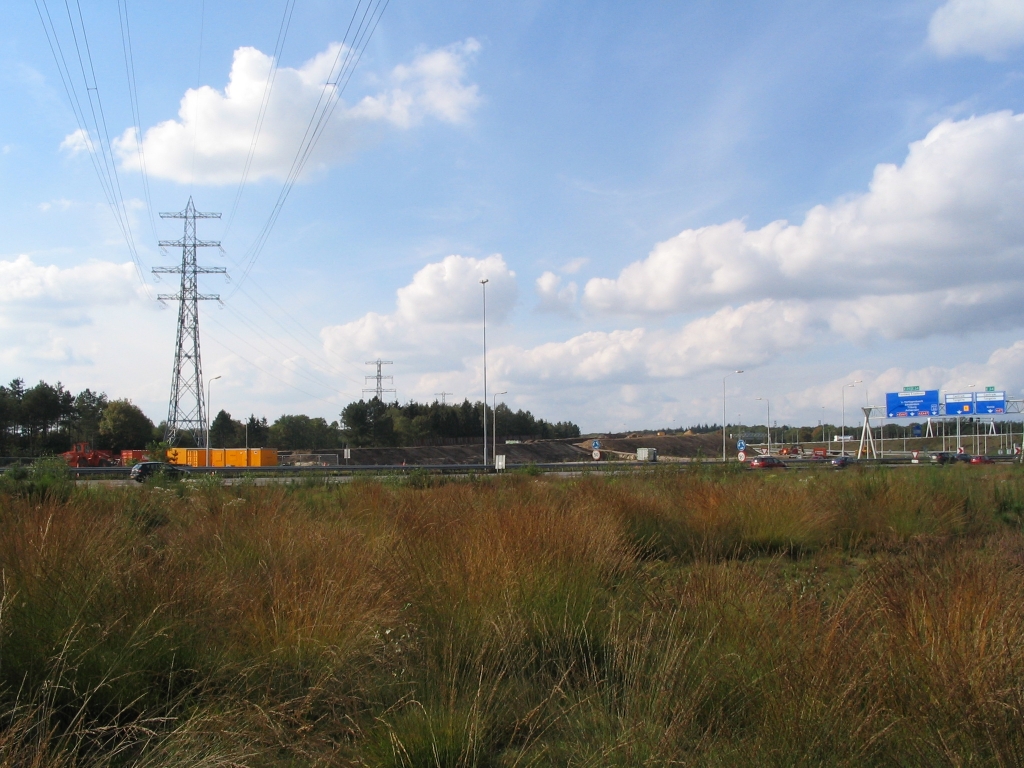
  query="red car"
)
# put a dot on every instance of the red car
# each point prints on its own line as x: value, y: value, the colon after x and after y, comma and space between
x: 981, y: 460
x: 767, y: 462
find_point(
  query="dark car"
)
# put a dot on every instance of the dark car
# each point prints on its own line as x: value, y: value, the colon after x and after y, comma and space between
x: 942, y: 457
x: 981, y: 460
x: 841, y: 462
x: 767, y: 462
x: 963, y: 458
x: 147, y: 469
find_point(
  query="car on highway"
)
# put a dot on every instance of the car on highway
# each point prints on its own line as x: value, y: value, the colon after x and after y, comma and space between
x: 767, y: 462
x: 943, y: 457
x: 963, y: 458
x: 981, y: 460
x: 841, y: 462
x: 146, y: 469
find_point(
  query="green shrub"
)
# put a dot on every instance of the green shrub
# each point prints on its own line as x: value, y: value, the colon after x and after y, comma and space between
x: 48, y: 479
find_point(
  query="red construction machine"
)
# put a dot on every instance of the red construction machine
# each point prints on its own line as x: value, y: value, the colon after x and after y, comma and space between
x: 84, y: 455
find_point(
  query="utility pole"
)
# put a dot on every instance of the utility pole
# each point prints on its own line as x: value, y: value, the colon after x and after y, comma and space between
x: 443, y: 395
x: 483, y: 285
x: 724, y: 417
x: 186, y: 413
x: 378, y: 389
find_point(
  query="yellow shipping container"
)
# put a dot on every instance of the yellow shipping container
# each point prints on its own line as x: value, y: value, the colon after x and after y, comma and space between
x: 236, y: 457
x: 224, y: 457
x: 263, y: 457
x: 195, y: 457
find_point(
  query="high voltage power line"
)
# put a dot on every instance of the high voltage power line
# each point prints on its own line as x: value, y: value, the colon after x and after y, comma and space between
x: 349, y: 54
x: 103, y: 159
x: 268, y: 87
x: 133, y: 98
x: 96, y: 136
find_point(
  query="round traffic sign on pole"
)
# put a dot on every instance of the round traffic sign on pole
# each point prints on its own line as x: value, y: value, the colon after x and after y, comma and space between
x: 597, y: 455
x: 742, y: 456
x: 741, y: 445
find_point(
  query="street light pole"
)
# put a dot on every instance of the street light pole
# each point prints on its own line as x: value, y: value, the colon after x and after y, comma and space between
x: 958, y: 445
x: 208, y: 385
x: 724, y: 417
x: 494, y: 427
x: 483, y: 285
x: 842, y: 444
x: 768, y: 424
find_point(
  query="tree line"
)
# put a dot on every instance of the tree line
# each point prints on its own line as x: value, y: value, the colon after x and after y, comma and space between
x: 374, y: 423
x: 48, y: 418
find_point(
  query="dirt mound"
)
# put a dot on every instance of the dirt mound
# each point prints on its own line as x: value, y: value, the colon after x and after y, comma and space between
x: 540, y: 452
x: 683, y: 446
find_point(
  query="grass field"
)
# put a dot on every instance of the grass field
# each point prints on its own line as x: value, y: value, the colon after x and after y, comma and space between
x: 697, y: 617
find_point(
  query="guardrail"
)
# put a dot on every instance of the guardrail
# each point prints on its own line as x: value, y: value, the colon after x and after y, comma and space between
x: 566, y: 466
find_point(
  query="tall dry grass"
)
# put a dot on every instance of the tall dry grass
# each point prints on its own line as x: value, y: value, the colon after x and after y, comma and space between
x: 696, y: 617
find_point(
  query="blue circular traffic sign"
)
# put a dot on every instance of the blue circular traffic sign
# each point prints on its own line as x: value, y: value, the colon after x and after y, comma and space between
x: 741, y: 445
x: 596, y: 444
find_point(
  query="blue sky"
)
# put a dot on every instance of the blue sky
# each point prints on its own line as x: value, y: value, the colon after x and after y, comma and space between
x: 812, y: 192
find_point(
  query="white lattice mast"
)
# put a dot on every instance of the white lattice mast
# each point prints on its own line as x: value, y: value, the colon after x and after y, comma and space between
x: 379, y: 378
x: 186, y: 413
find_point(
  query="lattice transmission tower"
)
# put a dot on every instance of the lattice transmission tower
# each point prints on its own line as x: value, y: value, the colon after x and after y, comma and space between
x: 186, y: 413
x: 379, y: 390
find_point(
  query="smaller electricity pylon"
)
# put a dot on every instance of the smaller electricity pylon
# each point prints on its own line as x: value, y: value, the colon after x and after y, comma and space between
x: 379, y: 390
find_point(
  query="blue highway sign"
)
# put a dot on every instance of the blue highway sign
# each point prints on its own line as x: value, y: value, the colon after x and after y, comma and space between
x: 912, y: 404
x: 959, y: 403
x: 990, y: 403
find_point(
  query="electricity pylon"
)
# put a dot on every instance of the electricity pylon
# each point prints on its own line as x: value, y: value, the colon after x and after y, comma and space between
x: 379, y: 390
x: 186, y: 413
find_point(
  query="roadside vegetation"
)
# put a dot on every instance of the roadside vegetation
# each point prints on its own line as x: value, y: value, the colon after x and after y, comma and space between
x: 708, y: 616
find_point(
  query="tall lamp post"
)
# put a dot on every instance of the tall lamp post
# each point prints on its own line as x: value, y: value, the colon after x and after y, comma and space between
x: 724, y: 417
x: 494, y: 427
x: 208, y: 384
x: 824, y: 442
x: 483, y: 285
x: 969, y: 386
x: 843, y: 439
x: 768, y: 423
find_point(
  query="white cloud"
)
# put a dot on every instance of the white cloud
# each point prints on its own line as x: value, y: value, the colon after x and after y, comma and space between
x: 77, y: 141
x: 219, y: 125
x: 431, y: 86
x: 989, y: 28
x: 575, y: 265
x: 553, y: 297
x: 437, y: 315
x: 948, y: 218
x: 58, y: 320
x: 589, y: 357
x: 450, y: 291
x: 25, y: 283
x: 1004, y: 368
x: 751, y: 334
x: 952, y: 311
x: 748, y: 335
x: 931, y: 248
